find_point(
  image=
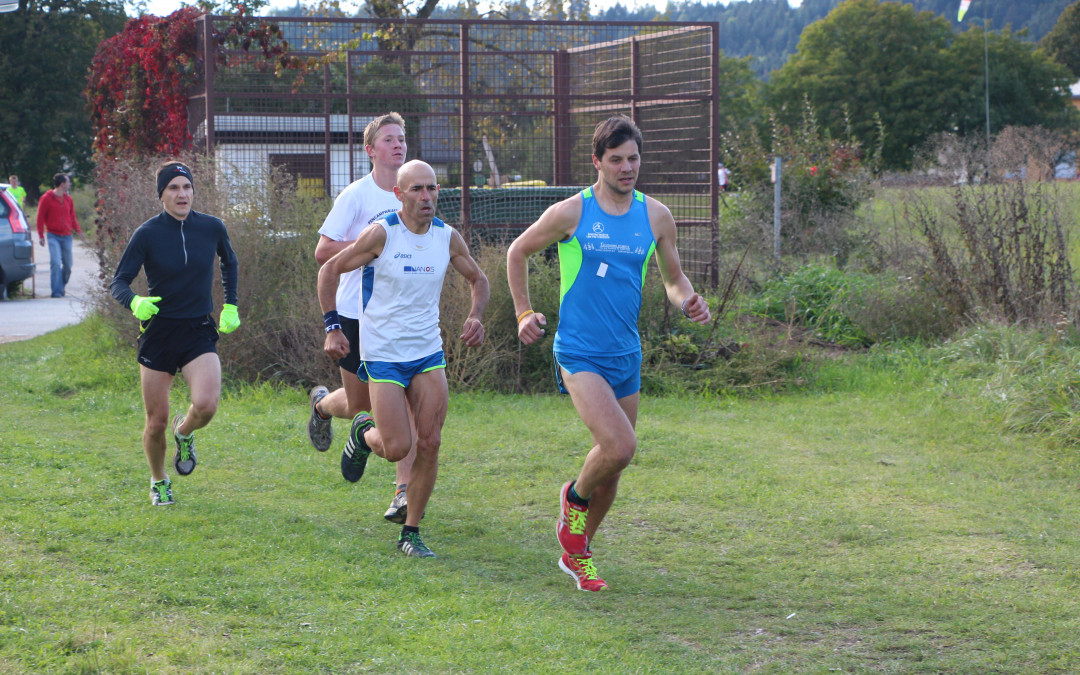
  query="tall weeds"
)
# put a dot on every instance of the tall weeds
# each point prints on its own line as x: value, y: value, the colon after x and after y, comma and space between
x: 999, y: 252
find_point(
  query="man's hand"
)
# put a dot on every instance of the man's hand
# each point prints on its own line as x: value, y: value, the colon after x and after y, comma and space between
x: 41, y: 241
x: 336, y: 344
x: 143, y: 308
x: 696, y: 309
x: 472, y: 333
x: 531, y: 328
x: 230, y: 319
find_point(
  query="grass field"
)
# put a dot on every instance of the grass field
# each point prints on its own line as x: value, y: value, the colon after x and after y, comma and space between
x: 887, y: 526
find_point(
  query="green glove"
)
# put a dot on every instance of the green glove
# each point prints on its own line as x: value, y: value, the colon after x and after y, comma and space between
x: 144, y: 308
x: 230, y: 320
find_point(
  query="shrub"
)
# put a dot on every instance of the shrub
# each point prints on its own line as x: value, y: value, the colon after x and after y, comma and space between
x: 998, y: 251
x: 817, y: 297
x: 824, y: 180
x: 139, y: 79
x: 502, y: 363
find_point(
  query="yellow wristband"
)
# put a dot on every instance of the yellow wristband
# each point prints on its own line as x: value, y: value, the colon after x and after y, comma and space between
x: 525, y: 314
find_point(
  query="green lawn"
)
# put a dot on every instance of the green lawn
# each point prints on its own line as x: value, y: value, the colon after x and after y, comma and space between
x: 888, y: 526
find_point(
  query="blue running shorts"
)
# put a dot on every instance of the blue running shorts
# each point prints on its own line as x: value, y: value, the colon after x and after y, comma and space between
x: 401, y: 373
x: 623, y: 373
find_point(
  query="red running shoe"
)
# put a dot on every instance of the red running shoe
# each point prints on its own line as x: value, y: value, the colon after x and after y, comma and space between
x: 583, y: 571
x: 570, y: 527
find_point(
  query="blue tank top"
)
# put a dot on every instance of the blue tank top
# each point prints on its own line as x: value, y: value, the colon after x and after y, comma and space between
x: 602, y: 269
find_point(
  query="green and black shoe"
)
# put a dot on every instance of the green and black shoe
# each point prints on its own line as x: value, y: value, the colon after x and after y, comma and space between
x: 161, y: 492
x: 413, y: 546
x: 354, y: 458
x: 184, y: 459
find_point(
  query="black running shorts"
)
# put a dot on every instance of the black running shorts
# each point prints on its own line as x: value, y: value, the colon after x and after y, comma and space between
x: 170, y: 344
x: 351, y: 328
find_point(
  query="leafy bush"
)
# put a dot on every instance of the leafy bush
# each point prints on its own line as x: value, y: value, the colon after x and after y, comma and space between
x: 140, y: 78
x: 817, y: 297
x: 824, y: 180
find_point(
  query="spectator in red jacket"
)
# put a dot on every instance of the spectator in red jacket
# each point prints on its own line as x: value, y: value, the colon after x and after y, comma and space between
x: 56, y: 214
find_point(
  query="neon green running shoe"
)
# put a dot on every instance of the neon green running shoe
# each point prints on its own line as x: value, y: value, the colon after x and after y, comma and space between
x: 184, y: 459
x: 161, y: 492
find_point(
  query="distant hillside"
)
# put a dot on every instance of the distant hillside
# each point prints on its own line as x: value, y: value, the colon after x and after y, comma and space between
x: 769, y: 30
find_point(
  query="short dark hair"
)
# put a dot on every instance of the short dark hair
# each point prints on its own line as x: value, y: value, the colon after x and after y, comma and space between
x: 59, y: 179
x: 613, y: 132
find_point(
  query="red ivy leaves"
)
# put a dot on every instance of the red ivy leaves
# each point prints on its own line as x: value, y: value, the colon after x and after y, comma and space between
x: 140, y: 78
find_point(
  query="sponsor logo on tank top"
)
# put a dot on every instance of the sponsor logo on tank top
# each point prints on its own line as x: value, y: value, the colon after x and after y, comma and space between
x: 419, y: 269
x: 597, y: 232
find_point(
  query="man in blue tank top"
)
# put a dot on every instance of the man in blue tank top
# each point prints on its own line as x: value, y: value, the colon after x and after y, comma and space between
x: 606, y: 235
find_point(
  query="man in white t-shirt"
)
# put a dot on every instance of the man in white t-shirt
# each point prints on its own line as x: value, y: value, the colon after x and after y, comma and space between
x: 359, y: 205
x: 404, y: 258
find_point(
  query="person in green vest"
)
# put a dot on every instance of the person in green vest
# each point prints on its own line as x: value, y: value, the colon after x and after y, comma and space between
x: 17, y: 191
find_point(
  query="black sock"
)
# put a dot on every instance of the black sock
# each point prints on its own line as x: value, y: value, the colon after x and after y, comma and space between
x: 573, y: 496
x: 409, y: 528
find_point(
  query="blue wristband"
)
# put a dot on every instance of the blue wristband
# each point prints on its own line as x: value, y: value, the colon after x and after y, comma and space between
x: 331, y: 320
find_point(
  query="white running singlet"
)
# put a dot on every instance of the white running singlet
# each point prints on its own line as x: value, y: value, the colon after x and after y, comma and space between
x: 359, y: 205
x: 399, y: 319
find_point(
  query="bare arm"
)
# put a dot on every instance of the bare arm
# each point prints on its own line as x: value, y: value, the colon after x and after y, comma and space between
x: 357, y: 254
x: 327, y: 248
x: 680, y: 291
x: 556, y: 224
x: 472, y: 332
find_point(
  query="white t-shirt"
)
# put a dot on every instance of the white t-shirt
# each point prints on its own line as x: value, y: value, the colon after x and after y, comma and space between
x: 359, y: 205
x: 400, y: 317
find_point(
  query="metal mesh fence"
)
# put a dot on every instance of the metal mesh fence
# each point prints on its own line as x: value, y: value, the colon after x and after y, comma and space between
x: 503, y: 110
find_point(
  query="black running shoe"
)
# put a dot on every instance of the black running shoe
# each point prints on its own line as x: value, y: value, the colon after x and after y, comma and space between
x: 354, y: 458
x: 413, y: 546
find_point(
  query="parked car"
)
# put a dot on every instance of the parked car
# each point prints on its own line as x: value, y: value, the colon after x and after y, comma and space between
x: 16, y: 244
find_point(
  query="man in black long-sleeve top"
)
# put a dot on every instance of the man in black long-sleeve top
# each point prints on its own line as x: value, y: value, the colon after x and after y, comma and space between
x: 176, y: 250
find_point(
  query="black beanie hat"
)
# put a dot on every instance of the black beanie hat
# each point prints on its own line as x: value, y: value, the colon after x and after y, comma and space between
x: 170, y: 171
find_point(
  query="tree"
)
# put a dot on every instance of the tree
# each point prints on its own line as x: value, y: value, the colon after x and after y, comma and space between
x: 864, y: 59
x: 1027, y: 87
x: 1063, y: 40
x: 47, y: 47
x: 868, y: 58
